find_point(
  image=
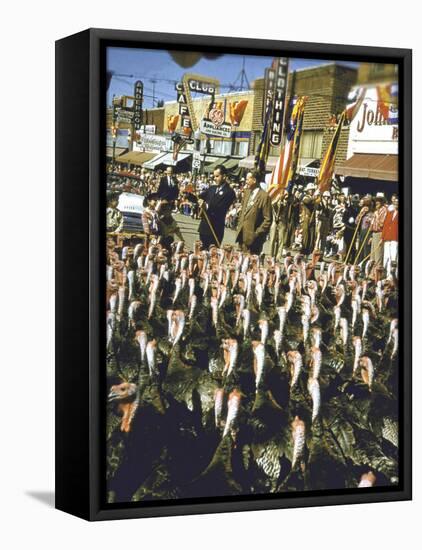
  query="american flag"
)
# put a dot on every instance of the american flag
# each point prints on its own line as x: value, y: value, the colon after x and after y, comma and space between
x: 264, y: 145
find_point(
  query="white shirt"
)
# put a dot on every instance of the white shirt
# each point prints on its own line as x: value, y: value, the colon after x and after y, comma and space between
x: 252, y: 197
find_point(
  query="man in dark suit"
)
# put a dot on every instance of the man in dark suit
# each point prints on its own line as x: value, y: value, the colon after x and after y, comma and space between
x: 217, y: 200
x: 255, y: 216
x: 168, y: 188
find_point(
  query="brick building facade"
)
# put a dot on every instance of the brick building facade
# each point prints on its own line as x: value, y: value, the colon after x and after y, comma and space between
x: 327, y: 88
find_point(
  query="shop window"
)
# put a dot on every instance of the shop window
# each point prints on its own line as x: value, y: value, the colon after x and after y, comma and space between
x: 311, y: 144
x: 241, y: 148
x: 220, y: 147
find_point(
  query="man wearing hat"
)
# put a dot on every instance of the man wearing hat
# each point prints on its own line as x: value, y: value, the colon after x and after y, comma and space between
x: 324, y: 215
x: 377, y: 225
x: 308, y: 219
x: 363, y: 220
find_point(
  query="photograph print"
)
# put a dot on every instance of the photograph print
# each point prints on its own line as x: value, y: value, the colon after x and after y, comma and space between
x: 252, y: 267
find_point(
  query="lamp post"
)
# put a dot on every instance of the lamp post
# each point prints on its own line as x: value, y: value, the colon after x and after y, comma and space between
x: 197, y: 149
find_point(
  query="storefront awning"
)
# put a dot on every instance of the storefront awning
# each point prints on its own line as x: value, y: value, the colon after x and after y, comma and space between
x: 249, y: 162
x: 168, y: 159
x: 155, y: 161
x: 230, y: 163
x: 165, y: 158
x: 377, y: 167
x: 136, y: 157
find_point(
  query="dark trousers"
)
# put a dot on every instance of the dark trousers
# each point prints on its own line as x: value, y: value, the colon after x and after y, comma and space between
x: 207, y: 240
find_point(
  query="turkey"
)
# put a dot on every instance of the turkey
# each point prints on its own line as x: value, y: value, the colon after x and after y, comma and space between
x: 231, y: 373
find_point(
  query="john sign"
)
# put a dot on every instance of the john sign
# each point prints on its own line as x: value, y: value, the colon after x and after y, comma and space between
x: 374, y: 129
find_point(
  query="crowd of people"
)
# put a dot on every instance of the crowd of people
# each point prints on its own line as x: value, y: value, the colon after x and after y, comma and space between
x: 329, y: 224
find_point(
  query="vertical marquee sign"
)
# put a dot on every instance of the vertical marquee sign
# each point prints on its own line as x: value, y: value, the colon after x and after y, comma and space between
x: 184, y: 111
x: 275, y: 91
x: 280, y: 86
x: 268, y: 91
x: 137, y: 106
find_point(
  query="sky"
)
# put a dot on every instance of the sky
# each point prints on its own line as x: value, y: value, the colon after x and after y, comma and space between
x: 131, y: 64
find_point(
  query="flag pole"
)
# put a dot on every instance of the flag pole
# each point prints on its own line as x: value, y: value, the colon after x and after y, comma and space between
x: 351, y: 244
x: 362, y: 245
x: 210, y: 225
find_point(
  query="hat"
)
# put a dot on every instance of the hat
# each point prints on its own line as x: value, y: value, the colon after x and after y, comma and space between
x: 326, y: 194
x: 380, y: 195
x: 356, y: 197
x: 310, y: 187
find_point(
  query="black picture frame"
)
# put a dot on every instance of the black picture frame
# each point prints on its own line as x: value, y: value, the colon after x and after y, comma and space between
x: 80, y: 258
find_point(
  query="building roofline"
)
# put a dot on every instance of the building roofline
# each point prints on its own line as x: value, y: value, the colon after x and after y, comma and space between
x: 224, y: 94
x: 336, y: 63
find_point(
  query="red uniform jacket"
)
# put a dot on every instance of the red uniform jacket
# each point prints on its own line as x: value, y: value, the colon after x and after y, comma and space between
x: 390, y: 231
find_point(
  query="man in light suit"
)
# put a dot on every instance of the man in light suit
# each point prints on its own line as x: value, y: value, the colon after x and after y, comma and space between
x: 168, y: 188
x: 255, y: 216
x: 217, y: 198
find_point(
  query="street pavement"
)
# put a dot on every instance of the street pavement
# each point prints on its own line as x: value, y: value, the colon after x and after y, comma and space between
x: 189, y: 229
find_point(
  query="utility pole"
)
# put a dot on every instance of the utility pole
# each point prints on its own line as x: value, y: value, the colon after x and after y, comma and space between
x: 153, y: 82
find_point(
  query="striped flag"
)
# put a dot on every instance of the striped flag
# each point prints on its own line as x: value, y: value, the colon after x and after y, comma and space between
x: 387, y: 102
x: 264, y: 145
x: 327, y: 165
x: 286, y: 166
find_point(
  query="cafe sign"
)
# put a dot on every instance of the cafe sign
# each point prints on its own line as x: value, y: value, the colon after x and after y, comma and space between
x: 193, y: 83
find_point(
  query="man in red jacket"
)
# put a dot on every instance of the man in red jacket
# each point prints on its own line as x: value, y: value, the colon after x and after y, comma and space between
x: 390, y: 232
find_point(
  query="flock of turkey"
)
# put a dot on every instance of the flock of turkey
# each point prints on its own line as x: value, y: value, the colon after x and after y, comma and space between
x: 234, y: 374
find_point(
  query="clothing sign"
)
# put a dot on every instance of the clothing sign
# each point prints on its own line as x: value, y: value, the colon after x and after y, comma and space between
x: 279, y: 95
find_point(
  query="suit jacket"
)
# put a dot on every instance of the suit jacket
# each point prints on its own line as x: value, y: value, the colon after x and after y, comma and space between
x: 254, y: 220
x: 390, y: 230
x: 219, y: 200
x: 167, y: 192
